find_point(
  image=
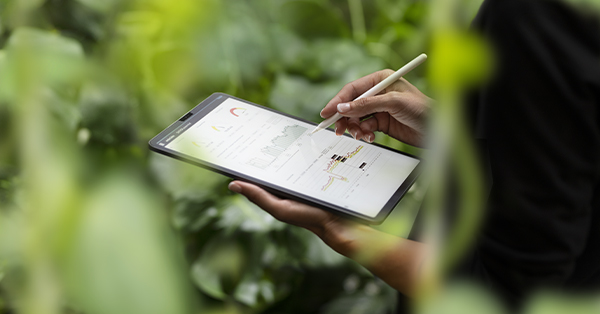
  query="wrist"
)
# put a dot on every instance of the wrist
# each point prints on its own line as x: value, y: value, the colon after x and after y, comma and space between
x: 339, y: 234
x: 347, y: 238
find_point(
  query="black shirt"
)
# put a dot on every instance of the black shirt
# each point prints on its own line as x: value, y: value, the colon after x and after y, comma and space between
x: 538, y: 123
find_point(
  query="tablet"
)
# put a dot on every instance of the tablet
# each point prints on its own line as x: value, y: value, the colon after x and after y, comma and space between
x: 277, y: 151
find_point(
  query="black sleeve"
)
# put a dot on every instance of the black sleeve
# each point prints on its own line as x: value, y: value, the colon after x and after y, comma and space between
x: 540, y: 120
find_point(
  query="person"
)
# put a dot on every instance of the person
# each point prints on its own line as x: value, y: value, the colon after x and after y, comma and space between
x: 537, y: 126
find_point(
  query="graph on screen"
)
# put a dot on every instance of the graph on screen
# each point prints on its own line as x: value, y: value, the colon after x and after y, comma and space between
x: 280, y: 143
x: 260, y: 145
x: 277, y: 145
x: 237, y: 111
x: 337, y: 160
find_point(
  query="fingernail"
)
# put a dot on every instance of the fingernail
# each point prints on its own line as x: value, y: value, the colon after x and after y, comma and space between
x: 233, y: 187
x: 343, y: 107
x: 370, y: 138
x: 354, y: 134
x: 321, y: 113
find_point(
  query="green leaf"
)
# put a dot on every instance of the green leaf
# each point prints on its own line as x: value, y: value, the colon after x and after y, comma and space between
x: 375, y: 297
x: 65, y: 110
x: 339, y: 62
x: 267, y: 290
x: 218, y: 268
x: 193, y: 216
x: 463, y: 298
x: 183, y: 180
x: 123, y: 258
x: 547, y: 302
x: 247, y: 291
x: 459, y: 60
x: 241, y: 214
x: 46, y: 55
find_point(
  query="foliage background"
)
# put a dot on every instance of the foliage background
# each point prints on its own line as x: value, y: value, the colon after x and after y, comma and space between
x: 92, y: 222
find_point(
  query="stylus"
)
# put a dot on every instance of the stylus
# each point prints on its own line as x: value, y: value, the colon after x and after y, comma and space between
x: 376, y: 89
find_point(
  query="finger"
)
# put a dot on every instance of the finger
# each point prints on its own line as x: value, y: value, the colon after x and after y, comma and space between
x: 283, y: 210
x: 370, y: 105
x: 399, y: 105
x: 368, y: 127
x: 354, y: 128
x: 330, y: 109
x: 354, y: 89
x: 258, y: 196
x: 340, y: 126
x: 368, y: 137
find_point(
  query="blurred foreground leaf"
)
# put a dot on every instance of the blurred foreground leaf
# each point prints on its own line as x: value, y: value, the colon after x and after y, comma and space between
x: 547, y: 302
x: 219, y: 266
x: 462, y: 298
x: 124, y: 258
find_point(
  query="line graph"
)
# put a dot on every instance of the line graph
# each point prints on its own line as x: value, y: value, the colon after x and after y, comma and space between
x: 280, y: 143
x: 335, y: 161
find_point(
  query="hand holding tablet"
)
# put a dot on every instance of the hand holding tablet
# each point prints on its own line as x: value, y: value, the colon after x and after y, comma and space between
x: 277, y: 152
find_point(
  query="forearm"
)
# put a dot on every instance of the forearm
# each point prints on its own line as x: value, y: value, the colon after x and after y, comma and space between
x: 395, y: 260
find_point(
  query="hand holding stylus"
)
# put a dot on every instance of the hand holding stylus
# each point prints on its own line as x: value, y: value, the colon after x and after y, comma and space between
x: 400, y: 111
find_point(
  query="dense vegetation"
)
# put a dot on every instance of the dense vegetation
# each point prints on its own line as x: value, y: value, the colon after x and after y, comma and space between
x: 92, y: 222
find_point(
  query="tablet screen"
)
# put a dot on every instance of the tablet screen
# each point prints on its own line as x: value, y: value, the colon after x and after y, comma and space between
x: 271, y: 147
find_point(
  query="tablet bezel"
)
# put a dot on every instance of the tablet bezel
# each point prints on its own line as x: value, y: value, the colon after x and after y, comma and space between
x: 210, y: 103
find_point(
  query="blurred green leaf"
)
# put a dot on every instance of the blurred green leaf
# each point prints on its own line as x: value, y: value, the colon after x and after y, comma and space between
x: 111, y: 75
x: 65, y: 110
x: 463, y: 298
x: 192, y: 216
x: 312, y: 19
x: 459, y: 60
x: 241, y: 214
x: 133, y: 268
x: 375, y: 297
x: 183, y: 180
x: 338, y: 62
x: 248, y: 291
x: 218, y: 268
x: 36, y: 56
x: 100, y: 6
x: 548, y: 302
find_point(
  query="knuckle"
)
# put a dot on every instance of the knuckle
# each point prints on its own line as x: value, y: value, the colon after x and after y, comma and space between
x: 385, y: 72
x: 394, y: 97
x: 348, y: 88
x: 361, y: 103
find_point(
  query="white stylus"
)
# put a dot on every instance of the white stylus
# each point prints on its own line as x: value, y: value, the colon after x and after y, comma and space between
x: 376, y: 89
